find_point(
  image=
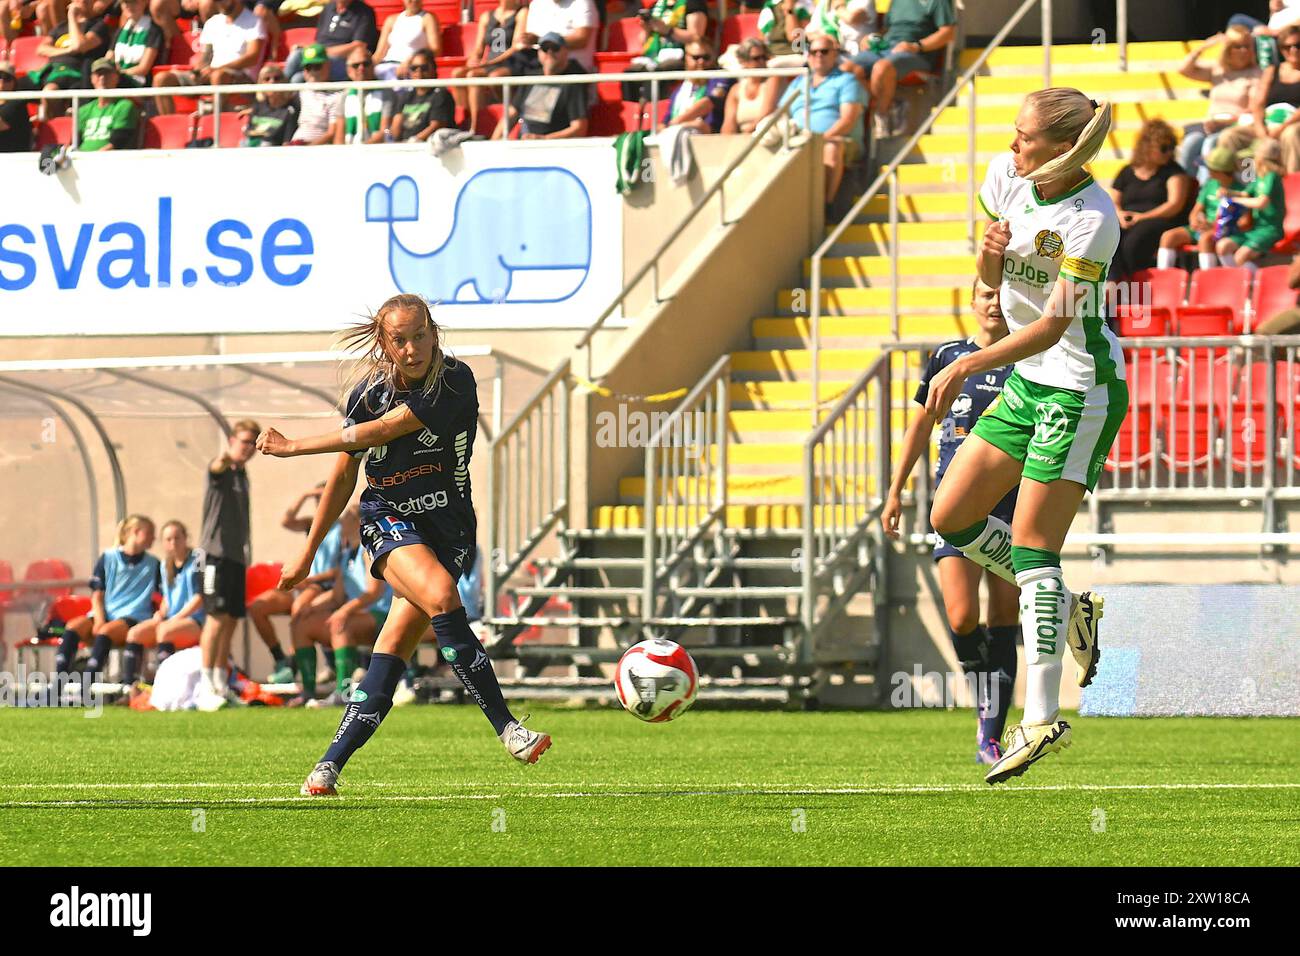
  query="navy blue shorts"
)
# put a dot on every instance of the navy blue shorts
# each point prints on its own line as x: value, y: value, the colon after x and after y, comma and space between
x: 381, y: 534
x: 1005, y: 509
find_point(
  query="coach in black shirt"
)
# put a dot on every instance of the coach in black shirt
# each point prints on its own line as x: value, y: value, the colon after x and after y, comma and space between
x: 344, y: 26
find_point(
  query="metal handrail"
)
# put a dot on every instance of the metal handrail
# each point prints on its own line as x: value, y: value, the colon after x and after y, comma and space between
x: 652, y: 263
x: 889, y: 174
x: 701, y: 481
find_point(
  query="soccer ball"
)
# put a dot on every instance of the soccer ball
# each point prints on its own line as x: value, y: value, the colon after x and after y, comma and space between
x: 656, y: 680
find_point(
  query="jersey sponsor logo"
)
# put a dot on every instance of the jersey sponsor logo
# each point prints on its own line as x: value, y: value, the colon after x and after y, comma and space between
x: 460, y: 556
x: 461, y: 474
x: 1049, y: 243
x: 418, y: 506
x: 427, y: 438
x: 1045, y: 459
x: 449, y: 655
x: 402, y: 477
x: 961, y: 405
x: 1018, y: 270
x: 378, y: 453
x: 1051, y: 423
x: 371, y: 718
x: 480, y: 660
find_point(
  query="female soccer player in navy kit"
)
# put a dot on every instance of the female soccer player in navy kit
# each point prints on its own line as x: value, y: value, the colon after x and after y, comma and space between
x: 412, y: 416
x: 987, y: 654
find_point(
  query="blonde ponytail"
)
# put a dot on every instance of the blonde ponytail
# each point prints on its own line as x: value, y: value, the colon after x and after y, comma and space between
x: 129, y: 524
x: 1066, y: 115
x: 368, y: 339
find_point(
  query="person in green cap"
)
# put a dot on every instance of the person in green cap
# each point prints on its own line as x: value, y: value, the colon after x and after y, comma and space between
x: 107, y: 123
x: 1222, y: 165
x: 320, y: 112
x: 1265, y: 200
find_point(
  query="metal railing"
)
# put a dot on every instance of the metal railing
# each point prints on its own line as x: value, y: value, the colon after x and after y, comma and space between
x: 889, y: 175
x: 686, y: 477
x: 843, y: 487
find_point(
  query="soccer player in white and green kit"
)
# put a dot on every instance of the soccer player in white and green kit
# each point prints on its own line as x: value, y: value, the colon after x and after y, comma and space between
x: 1050, y: 244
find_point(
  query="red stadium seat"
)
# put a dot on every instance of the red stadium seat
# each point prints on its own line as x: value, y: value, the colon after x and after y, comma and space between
x: 1272, y: 295
x: 1252, y: 383
x: 611, y: 63
x: 610, y: 119
x: 70, y: 606
x: 458, y: 39
x: 57, y: 130
x: 183, y: 47
x: 1150, y: 380
x: 23, y: 56
x: 170, y: 131
x: 1206, y: 378
x: 625, y: 36
x: 46, y: 569
x: 259, y: 578
x: 1246, y: 430
x: 1188, y: 442
x: 1291, y: 221
x: 6, y: 577
x: 298, y: 36
x: 1224, y: 288
x: 1205, y: 320
x: 232, y: 128
x: 1135, y: 321
x: 488, y: 118
x: 737, y: 27
x: 1133, y: 447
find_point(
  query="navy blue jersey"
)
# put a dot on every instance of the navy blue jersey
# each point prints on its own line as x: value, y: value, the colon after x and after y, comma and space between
x: 422, y: 476
x: 976, y: 395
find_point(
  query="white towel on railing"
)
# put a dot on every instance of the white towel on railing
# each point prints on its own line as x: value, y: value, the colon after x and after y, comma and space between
x: 675, y: 151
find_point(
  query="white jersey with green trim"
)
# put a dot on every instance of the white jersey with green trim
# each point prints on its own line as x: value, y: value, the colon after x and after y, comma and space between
x: 1075, y: 236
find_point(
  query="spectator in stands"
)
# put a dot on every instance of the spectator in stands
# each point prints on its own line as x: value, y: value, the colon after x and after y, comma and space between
x: 344, y: 26
x: 179, y: 619
x: 667, y: 27
x: 233, y: 45
x: 836, y: 107
x: 366, y: 113
x: 753, y: 98
x: 547, y: 111
x: 916, y: 32
x: 1222, y: 166
x: 782, y: 23
x: 405, y: 34
x: 72, y: 46
x: 107, y: 123
x: 1282, y: 14
x: 165, y: 12
x: 699, y: 104
x: 122, y: 587
x: 498, y: 51
x: 1152, y: 195
x: 313, y: 591
x: 15, y: 123
x: 273, y: 117
x: 419, y: 113
x: 1276, y: 94
x: 320, y: 112
x: 138, y: 46
x: 224, y: 542
x: 575, y: 21
x: 1232, y: 84
x: 1265, y: 199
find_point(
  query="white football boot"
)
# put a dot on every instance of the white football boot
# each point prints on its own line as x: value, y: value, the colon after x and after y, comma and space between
x: 1027, y: 743
x: 1086, y: 610
x: 323, y: 781
x: 523, y: 744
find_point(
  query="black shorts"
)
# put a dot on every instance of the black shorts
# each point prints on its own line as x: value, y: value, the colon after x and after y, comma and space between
x: 382, y: 533
x: 223, y: 587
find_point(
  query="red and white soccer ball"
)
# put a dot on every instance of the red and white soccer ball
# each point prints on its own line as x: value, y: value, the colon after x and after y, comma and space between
x: 656, y: 680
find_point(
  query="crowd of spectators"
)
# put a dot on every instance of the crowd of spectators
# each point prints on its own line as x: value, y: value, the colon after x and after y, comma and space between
x: 239, y: 42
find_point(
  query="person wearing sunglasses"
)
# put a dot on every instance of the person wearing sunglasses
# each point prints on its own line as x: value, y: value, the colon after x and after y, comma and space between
x: 699, y: 104
x: 836, y: 107
x: 752, y: 98
x: 273, y: 118
x: 1152, y: 195
x: 366, y: 113
x: 1232, y: 82
x: 1274, y: 106
x: 421, y: 112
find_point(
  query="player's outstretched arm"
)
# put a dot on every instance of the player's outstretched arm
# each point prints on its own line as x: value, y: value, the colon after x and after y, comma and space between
x: 398, y: 422
x: 334, y: 498
x: 918, y: 433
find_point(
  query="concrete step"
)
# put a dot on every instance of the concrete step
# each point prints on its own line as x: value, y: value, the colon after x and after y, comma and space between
x: 769, y: 489
x: 928, y: 207
x: 843, y: 365
x: 941, y: 147
x: 787, y: 395
x: 1079, y: 57
x: 953, y: 300
x: 1131, y: 87
x: 951, y: 176
x: 758, y: 517
x: 874, y: 271
x: 838, y: 331
x: 1000, y: 120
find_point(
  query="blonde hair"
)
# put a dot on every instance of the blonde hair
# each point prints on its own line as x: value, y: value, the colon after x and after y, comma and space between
x: 1268, y: 156
x: 246, y: 425
x: 1236, y: 34
x: 1066, y: 115
x: 168, y: 571
x: 129, y: 524
x: 369, y: 338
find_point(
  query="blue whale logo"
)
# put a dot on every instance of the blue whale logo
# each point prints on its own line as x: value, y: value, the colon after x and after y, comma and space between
x: 532, y: 221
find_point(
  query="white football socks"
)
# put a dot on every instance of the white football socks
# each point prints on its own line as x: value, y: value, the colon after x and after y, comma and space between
x: 992, y: 549
x: 1166, y: 258
x: 1044, y: 622
x: 1207, y: 260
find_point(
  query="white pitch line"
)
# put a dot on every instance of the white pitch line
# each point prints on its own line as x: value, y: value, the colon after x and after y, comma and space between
x: 641, y: 794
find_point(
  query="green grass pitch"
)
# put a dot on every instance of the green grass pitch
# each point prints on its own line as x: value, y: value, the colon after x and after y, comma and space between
x: 717, y: 787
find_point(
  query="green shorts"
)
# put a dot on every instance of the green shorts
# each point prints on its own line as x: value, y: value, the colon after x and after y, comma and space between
x: 1055, y: 432
x: 1262, y: 239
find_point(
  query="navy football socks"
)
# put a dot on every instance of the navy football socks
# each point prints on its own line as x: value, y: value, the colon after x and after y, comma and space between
x: 67, y: 652
x: 370, y: 704
x: 99, y: 654
x: 462, y: 650
x: 164, y: 650
x: 131, y: 662
x: 1003, y: 641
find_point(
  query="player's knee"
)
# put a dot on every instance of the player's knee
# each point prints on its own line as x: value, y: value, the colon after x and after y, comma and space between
x: 963, y: 616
